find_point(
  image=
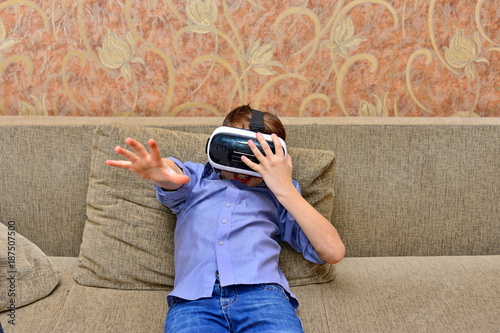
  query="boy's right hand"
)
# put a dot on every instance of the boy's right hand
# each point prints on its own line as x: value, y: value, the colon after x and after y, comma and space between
x: 163, y: 172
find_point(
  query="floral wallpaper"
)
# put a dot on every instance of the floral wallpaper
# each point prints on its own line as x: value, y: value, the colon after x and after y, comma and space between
x: 401, y: 58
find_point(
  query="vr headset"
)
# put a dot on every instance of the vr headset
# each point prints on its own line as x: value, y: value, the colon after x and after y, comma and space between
x: 227, y: 145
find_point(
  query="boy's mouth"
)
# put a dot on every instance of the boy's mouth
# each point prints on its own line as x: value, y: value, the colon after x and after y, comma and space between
x: 242, y: 178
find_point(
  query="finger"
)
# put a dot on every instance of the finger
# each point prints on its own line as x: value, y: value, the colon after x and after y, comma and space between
x: 119, y: 164
x: 265, y: 146
x: 154, y: 150
x: 137, y: 147
x: 278, y: 148
x: 256, y: 151
x: 254, y: 166
x: 128, y: 155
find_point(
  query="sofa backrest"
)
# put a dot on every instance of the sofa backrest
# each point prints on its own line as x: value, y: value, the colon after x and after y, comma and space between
x: 403, y: 187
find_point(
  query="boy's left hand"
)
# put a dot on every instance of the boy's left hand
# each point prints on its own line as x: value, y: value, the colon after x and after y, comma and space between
x: 275, y: 168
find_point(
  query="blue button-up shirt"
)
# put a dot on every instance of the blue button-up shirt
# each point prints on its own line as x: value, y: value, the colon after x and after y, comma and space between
x: 226, y: 226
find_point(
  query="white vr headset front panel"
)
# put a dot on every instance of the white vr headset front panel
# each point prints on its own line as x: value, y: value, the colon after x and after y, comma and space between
x: 226, y: 145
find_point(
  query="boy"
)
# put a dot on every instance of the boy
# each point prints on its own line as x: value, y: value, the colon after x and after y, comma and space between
x: 228, y: 224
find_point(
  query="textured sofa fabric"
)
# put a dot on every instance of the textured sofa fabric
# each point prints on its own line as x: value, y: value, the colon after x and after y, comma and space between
x: 28, y: 273
x: 416, y: 202
x: 378, y: 294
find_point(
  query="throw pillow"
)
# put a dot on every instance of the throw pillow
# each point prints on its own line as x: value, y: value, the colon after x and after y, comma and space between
x: 128, y: 236
x: 30, y: 275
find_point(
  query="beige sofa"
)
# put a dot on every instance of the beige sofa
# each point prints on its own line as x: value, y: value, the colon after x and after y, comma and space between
x: 417, y: 203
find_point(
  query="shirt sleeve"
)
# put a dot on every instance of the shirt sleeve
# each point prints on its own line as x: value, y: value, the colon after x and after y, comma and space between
x: 292, y: 234
x: 175, y: 199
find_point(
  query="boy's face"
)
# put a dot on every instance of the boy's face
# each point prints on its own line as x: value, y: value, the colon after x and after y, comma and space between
x: 250, y: 181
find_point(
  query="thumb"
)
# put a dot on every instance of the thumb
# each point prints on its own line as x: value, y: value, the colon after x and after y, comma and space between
x: 174, y: 177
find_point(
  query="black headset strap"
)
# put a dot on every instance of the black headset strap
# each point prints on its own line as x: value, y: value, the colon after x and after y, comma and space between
x: 257, y: 121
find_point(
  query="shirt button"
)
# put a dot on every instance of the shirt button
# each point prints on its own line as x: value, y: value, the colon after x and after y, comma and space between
x: 221, y: 243
x: 224, y: 221
x: 228, y: 205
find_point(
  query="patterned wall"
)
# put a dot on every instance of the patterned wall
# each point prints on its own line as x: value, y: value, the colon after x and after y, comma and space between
x: 406, y: 58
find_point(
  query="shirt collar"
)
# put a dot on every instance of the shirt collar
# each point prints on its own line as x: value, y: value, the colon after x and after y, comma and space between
x: 211, y: 173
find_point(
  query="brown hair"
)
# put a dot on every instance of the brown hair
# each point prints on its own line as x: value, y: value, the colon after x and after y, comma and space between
x: 243, y: 114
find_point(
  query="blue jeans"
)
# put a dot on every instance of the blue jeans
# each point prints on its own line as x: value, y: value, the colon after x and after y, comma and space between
x: 240, y: 308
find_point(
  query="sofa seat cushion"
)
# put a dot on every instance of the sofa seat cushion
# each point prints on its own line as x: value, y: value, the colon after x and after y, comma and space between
x: 379, y: 294
x: 406, y: 294
x: 75, y: 308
